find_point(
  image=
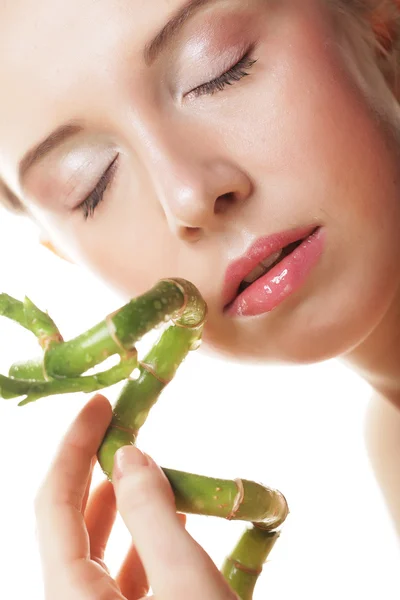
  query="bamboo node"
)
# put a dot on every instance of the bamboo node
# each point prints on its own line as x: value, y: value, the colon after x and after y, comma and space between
x: 132, y: 353
x: 238, y: 500
x: 45, y: 374
x: 126, y: 429
x: 151, y: 370
x: 196, y: 326
x: 113, y: 332
x: 284, y: 508
x: 241, y: 567
x: 179, y: 313
x: 46, y: 340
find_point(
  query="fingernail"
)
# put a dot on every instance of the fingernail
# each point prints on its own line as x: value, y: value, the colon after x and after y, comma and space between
x: 127, y: 459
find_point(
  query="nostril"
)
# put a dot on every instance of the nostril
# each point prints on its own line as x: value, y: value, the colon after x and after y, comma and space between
x: 192, y: 234
x: 223, y: 202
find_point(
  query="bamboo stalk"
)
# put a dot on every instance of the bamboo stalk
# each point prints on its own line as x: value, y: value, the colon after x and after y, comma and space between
x: 61, y: 370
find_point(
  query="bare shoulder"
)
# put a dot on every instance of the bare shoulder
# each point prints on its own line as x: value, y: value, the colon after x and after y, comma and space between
x: 382, y: 437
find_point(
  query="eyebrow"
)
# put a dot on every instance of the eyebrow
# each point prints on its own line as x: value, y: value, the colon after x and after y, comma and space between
x: 172, y: 28
x: 33, y: 156
x: 151, y: 52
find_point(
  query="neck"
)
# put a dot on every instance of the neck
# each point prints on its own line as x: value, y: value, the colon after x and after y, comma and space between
x: 377, y: 359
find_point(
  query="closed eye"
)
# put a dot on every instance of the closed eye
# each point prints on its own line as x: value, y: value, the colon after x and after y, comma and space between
x: 89, y: 205
x: 230, y: 77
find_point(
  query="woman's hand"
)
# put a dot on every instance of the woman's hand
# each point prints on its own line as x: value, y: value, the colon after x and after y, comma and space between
x: 73, y: 529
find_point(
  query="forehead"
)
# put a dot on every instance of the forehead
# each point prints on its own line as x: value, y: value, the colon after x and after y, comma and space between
x: 52, y: 50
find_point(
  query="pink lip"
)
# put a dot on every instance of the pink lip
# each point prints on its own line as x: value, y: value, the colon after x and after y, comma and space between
x: 288, y: 275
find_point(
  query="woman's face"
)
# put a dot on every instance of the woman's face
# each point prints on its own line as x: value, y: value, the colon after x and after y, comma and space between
x: 197, y: 162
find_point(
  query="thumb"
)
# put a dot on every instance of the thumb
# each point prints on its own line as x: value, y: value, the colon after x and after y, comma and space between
x: 176, y: 566
x: 134, y: 471
x: 146, y: 504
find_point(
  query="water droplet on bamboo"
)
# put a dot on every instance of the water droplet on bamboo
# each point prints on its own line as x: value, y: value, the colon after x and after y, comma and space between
x: 198, y: 504
x: 195, y: 345
x: 141, y: 418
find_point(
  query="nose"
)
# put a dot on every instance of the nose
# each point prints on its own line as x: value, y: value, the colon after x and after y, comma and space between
x: 199, y: 192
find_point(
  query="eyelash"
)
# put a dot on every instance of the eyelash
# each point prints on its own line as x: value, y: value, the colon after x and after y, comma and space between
x: 230, y: 77
x: 89, y: 205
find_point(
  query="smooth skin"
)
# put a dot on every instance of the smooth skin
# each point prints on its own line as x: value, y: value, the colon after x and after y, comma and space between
x: 199, y: 179
x: 74, y: 526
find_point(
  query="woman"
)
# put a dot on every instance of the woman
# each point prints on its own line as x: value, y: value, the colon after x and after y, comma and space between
x: 215, y: 136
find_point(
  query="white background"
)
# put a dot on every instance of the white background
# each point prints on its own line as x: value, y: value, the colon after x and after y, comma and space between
x: 299, y: 429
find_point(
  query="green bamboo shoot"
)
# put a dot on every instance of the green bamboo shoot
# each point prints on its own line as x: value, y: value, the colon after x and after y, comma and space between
x: 178, y: 304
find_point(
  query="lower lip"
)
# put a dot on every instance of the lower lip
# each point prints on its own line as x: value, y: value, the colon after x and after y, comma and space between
x: 284, y: 279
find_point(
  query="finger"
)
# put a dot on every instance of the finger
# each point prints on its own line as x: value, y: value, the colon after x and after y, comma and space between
x: 88, y: 484
x: 99, y: 518
x: 131, y: 577
x: 61, y: 529
x: 175, y: 564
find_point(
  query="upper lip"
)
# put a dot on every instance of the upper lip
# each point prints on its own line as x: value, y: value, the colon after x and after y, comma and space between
x: 260, y: 250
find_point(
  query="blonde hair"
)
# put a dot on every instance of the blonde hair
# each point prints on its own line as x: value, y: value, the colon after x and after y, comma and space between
x: 369, y: 33
x: 369, y: 37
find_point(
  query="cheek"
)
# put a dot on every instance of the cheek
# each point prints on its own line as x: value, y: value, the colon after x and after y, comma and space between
x: 313, y: 143
x: 127, y: 248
